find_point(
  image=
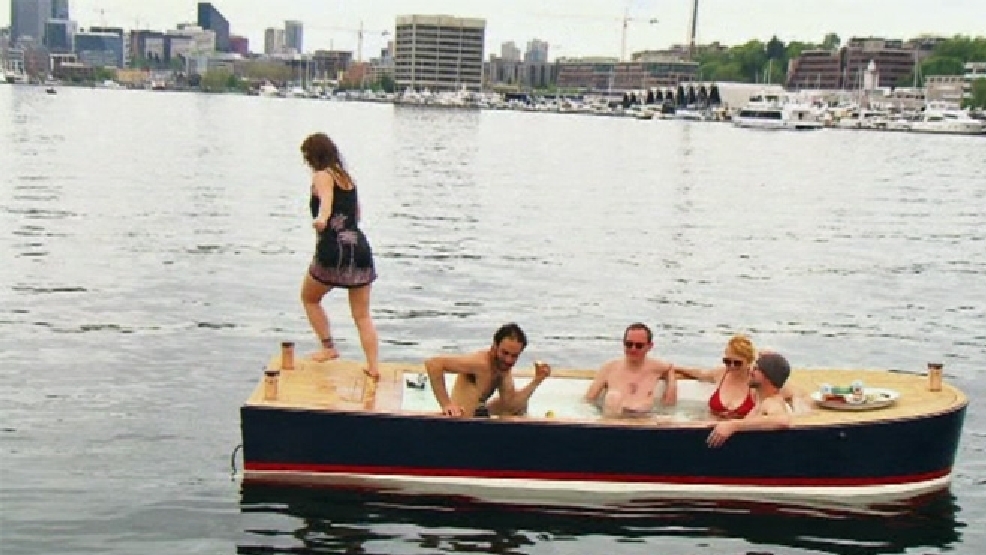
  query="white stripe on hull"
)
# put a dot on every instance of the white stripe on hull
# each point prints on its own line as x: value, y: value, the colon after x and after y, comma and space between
x: 503, y: 488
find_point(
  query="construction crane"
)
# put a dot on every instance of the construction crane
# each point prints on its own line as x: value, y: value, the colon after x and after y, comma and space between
x: 623, y: 20
x: 691, y: 30
x: 360, y: 32
x: 623, y: 38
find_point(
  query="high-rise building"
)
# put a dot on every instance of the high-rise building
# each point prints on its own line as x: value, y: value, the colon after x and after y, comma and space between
x: 239, y: 45
x: 60, y: 35
x: 294, y: 35
x: 28, y: 19
x: 211, y: 20
x: 59, y: 9
x: 273, y: 41
x: 537, y: 51
x: 509, y: 52
x: 439, y: 52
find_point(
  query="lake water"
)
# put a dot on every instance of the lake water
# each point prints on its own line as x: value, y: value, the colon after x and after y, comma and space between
x: 153, y: 246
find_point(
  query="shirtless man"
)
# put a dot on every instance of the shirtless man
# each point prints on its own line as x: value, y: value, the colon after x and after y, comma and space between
x: 482, y: 373
x: 630, y: 382
x: 772, y: 412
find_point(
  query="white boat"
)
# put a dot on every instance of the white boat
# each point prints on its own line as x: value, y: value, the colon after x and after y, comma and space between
x: 770, y: 111
x: 948, y: 120
x: 865, y: 119
x: 268, y: 89
x: 691, y: 114
x: 296, y: 92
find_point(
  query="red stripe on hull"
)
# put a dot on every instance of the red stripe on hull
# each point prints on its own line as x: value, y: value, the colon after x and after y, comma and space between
x: 593, y: 477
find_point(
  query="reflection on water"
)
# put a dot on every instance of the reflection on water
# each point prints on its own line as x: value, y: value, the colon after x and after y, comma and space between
x: 299, y: 520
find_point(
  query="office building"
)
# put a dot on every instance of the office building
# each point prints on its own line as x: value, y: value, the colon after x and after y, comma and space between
x: 848, y: 67
x: 211, y: 20
x: 439, y: 52
x: 274, y: 42
x: 27, y: 20
x: 607, y: 74
x: 816, y: 70
x: 509, y: 52
x: 537, y: 51
x: 294, y: 35
x: 60, y: 35
x: 59, y: 9
x: 239, y: 45
x: 99, y: 49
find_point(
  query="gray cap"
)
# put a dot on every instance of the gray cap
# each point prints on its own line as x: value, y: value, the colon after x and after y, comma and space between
x: 775, y: 368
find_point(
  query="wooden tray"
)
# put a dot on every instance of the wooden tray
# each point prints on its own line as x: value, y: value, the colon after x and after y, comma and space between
x: 876, y: 398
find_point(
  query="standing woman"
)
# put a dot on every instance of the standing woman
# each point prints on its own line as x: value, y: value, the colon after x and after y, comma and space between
x: 343, y: 257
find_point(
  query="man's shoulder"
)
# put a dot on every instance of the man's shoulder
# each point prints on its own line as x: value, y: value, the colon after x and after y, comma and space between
x: 475, y: 360
x: 613, y: 363
x: 657, y: 364
x: 774, y: 404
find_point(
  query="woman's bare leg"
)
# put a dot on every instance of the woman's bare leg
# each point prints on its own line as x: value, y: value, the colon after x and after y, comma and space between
x: 311, y: 298
x: 359, y: 305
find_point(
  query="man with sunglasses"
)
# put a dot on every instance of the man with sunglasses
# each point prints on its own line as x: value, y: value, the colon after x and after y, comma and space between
x: 630, y: 383
x: 768, y: 374
x: 483, y: 373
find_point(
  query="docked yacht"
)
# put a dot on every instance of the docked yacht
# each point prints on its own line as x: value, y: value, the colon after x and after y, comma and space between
x: 769, y: 111
x: 948, y: 120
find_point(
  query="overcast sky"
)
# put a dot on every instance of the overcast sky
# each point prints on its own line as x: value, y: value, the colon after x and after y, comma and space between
x: 572, y: 27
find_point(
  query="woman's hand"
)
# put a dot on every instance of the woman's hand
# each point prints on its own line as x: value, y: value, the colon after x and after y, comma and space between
x: 319, y: 224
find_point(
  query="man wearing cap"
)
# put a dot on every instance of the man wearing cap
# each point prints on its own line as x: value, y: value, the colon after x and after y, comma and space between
x: 772, y: 412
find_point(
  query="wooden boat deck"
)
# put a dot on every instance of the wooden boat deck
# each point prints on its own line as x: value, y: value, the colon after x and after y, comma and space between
x: 341, y: 385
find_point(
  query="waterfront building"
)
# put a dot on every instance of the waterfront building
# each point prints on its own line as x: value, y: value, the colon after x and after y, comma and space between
x: 60, y: 35
x: 439, y: 52
x: 944, y: 88
x: 608, y: 74
x: 98, y: 49
x: 211, y: 19
x: 847, y: 67
x: 816, y: 70
x: 147, y: 46
x: 519, y: 74
x: 973, y: 71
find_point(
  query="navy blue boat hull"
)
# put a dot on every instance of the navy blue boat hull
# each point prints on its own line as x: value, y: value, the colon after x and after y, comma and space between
x: 301, y: 445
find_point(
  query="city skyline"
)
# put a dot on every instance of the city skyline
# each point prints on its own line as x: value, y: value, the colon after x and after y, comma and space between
x: 588, y: 27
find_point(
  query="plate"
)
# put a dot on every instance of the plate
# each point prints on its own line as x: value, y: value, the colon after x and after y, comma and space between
x: 877, y: 398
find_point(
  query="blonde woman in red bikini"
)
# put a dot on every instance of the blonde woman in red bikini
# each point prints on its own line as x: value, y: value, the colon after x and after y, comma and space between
x: 733, y: 397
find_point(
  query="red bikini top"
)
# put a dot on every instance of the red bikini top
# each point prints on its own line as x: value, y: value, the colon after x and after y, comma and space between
x: 717, y: 407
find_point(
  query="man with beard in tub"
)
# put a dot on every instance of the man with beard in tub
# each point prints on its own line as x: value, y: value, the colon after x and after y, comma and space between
x: 483, y: 373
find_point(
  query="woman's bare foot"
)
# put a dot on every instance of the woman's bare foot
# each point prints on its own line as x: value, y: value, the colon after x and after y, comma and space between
x: 324, y: 355
x: 327, y: 353
x: 372, y: 372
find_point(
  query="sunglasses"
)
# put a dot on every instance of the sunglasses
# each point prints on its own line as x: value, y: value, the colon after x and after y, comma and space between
x: 634, y: 344
x: 732, y: 362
